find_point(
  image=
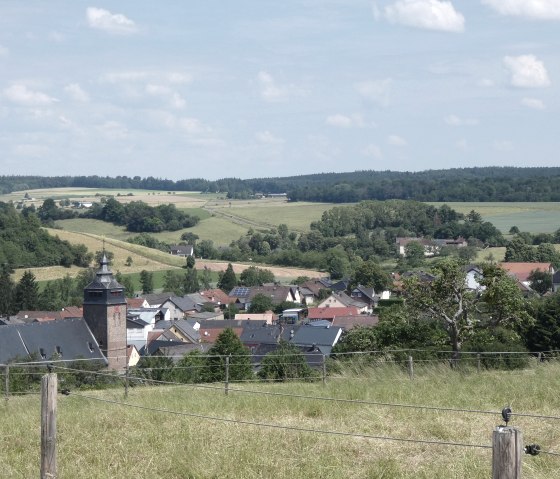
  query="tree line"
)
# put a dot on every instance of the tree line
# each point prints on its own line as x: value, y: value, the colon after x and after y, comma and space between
x: 458, y: 184
x: 24, y: 244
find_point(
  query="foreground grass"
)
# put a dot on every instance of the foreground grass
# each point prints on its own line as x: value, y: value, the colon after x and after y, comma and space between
x: 101, y: 440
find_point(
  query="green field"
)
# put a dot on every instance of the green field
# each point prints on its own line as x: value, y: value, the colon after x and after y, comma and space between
x: 175, y: 436
x: 531, y: 217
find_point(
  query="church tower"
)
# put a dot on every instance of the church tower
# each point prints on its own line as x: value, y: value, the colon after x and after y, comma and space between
x: 105, y: 314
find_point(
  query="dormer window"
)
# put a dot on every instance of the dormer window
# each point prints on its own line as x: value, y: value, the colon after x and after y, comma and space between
x: 42, y: 353
x: 90, y: 346
x: 59, y: 351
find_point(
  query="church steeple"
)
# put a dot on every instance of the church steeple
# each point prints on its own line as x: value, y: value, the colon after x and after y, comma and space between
x: 105, y: 314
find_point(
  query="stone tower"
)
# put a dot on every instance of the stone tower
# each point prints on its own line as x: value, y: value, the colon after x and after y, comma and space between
x: 105, y: 314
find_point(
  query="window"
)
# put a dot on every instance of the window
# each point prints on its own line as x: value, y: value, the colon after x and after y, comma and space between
x: 90, y: 346
x: 42, y: 353
x: 59, y: 351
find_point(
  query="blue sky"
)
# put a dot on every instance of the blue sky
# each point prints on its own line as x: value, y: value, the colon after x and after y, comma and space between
x: 214, y: 89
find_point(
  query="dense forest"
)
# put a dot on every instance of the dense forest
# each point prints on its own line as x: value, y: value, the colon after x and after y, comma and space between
x: 24, y: 244
x: 459, y: 184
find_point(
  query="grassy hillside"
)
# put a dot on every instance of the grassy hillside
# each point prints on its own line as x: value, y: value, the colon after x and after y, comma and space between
x: 102, y: 439
x: 531, y: 217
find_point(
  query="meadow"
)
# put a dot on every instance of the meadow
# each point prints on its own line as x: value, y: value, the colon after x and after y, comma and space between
x: 194, y: 432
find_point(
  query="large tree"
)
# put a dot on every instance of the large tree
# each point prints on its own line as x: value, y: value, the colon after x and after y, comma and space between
x: 370, y: 274
x: 285, y: 363
x: 27, y: 293
x: 228, y: 344
x: 228, y: 279
x: 459, y: 309
x: 7, y: 289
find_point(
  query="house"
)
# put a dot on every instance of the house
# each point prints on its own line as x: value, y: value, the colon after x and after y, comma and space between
x: 210, y: 330
x: 137, y: 303
x: 67, y: 339
x: 32, y: 316
x: 432, y: 247
x: 269, y: 317
x: 342, y: 300
x: 277, y: 293
x: 180, y: 306
x: 317, y: 286
x: 556, y: 281
x: 316, y: 314
x: 322, y: 338
x: 522, y: 271
x: 217, y: 296
x: 182, y: 250
x: 473, y: 276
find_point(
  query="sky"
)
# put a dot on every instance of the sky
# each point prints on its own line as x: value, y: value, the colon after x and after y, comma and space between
x: 213, y: 89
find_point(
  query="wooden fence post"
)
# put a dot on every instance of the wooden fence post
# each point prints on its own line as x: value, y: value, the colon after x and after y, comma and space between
x: 324, y: 370
x: 410, y: 368
x: 478, y: 363
x: 7, y: 381
x: 126, y: 380
x: 226, y: 385
x: 507, y: 450
x: 49, y: 384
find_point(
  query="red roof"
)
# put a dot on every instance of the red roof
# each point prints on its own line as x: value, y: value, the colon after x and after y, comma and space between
x: 135, y: 303
x: 209, y: 335
x: 349, y: 322
x: 522, y: 270
x: 217, y: 296
x: 330, y: 313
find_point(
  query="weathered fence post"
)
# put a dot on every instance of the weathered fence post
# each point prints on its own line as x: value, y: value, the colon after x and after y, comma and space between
x: 410, y: 368
x: 226, y: 385
x: 478, y: 363
x: 7, y: 381
x: 507, y: 450
x: 126, y: 380
x: 540, y: 358
x: 324, y: 370
x: 49, y: 384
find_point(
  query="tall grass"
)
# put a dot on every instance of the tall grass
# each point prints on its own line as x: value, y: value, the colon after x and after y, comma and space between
x: 102, y: 440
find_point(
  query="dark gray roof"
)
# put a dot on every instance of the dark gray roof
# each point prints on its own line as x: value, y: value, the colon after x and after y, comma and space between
x: 104, y: 277
x: 258, y: 332
x: 187, y: 329
x: 70, y: 336
x: 158, y: 298
x: 308, y: 335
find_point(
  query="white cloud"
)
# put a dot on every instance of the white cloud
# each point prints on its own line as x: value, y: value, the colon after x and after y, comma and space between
x: 427, y: 14
x: 462, y: 144
x: 533, y: 103
x: 272, y: 91
x: 535, y: 9
x: 267, y: 137
x: 110, y: 22
x: 373, y: 151
x: 527, y: 71
x: 175, y: 100
x: 454, y: 120
x: 4, y: 52
x: 31, y: 150
x: 114, y: 130
x: 76, y: 92
x: 396, y: 140
x: 377, y: 91
x: 503, y: 145
x: 348, y: 121
x: 57, y: 37
x: 22, y: 95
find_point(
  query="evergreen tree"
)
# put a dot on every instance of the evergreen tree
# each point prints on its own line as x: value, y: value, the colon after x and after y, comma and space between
x: 228, y: 344
x: 27, y: 293
x: 173, y: 282
x: 127, y: 282
x: 190, y: 262
x: 190, y: 281
x: 260, y: 303
x: 147, y: 281
x: 49, y: 298
x: 206, y: 278
x: 228, y: 279
x: 7, y: 288
x: 286, y: 363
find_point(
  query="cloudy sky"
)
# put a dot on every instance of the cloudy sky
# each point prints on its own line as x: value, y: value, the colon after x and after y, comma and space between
x: 215, y: 88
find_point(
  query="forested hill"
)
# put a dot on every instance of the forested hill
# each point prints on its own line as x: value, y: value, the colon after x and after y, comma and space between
x: 459, y: 184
